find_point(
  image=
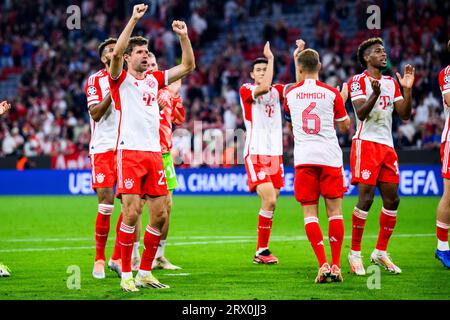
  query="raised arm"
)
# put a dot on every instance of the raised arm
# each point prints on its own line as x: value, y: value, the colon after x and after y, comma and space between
x: 403, y: 107
x: 116, y: 66
x: 266, y: 81
x: 187, y: 54
x: 300, y: 47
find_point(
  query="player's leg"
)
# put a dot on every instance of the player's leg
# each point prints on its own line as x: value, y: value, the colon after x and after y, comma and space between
x: 158, y: 216
x: 306, y: 191
x: 335, y: 235
x: 161, y: 262
x: 388, y: 220
x: 154, y: 189
x: 442, y: 226
x: 136, y: 256
x: 131, y: 211
x: 365, y: 199
x: 268, y: 195
x: 105, y: 208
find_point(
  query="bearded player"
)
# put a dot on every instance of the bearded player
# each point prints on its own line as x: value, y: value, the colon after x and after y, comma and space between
x: 373, y: 160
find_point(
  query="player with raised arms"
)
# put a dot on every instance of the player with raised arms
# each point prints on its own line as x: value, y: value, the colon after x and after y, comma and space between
x: 140, y: 170
x: 261, y: 107
x: 314, y: 108
x: 373, y: 160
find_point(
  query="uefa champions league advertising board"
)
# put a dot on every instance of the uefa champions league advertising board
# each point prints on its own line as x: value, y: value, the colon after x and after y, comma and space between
x: 415, y: 180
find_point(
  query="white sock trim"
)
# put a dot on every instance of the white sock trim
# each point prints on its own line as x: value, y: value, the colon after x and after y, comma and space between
x: 336, y: 218
x: 392, y: 213
x: 311, y: 220
x: 153, y: 231
x: 360, y: 213
x: 266, y: 214
x: 442, y: 225
x: 127, y: 275
x: 126, y: 228
x: 105, y: 209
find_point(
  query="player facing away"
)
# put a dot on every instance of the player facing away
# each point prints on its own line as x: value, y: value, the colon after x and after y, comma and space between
x: 373, y: 160
x: 4, y: 270
x: 313, y: 108
x: 171, y: 112
x: 101, y: 153
x: 263, y: 151
x: 443, y: 209
x: 140, y: 169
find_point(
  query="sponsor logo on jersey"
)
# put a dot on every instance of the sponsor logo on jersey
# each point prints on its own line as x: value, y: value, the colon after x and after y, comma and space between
x: 91, y: 90
x: 128, y: 183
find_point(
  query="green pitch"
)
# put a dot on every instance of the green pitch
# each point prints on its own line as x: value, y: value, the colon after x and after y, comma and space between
x: 213, y: 239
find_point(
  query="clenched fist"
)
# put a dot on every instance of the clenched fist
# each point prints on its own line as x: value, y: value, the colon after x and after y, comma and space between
x: 180, y: 28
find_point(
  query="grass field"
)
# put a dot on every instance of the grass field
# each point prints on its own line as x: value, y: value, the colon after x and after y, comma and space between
x: 213, y: 239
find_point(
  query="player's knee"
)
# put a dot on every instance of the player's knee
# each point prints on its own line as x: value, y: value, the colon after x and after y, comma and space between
x: 391, y: 204
x: 365, y: 202
x: 270, y: 203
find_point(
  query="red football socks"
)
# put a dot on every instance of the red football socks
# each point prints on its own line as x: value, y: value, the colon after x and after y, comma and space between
x: 358, y: 221
x: 126, y: 237
x: 388, y: 219
x: 315, y: 237
x: 151, y: 241
x: 336, y: 237
x: 102, y: 229
x: 264, y: 227
x: 116, y: 253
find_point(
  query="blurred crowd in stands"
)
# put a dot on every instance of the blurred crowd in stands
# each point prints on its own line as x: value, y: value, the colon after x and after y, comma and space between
x: 49, y: 115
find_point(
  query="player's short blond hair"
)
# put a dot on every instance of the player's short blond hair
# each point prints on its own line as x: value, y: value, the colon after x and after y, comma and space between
x: 309, y: 59
x: 104, y: 44
x: 134, y: 42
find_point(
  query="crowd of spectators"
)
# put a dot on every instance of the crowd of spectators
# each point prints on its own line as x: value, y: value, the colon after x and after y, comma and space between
x: 49, y: 115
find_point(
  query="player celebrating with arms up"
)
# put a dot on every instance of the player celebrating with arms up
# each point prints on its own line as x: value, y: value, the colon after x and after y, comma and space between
x: 373, y: 159
x: 313, y: 108
x: 263, y: 151
x: 140, y: 170
x: 443, y: 209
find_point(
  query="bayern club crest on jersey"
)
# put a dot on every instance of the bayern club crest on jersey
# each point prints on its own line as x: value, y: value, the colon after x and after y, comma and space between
x: 366, y: 174
x: 261, y: 175
x: 355, y: 86
x: 129, y: 183
x: 100, y: 177
x: 447, y: 78
x: 91, y: 90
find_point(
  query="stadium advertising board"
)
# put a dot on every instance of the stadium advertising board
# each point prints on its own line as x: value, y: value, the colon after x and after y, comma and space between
x: 415, y: 180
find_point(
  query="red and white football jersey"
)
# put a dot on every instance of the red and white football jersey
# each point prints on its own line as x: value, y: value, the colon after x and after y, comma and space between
x: 444, y: 84
x: 103, y: 132
x: 377, y: 127
x: 172, y: 114
x: 262, y: 118
x: 313, y: 107
x: 138, y: 110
